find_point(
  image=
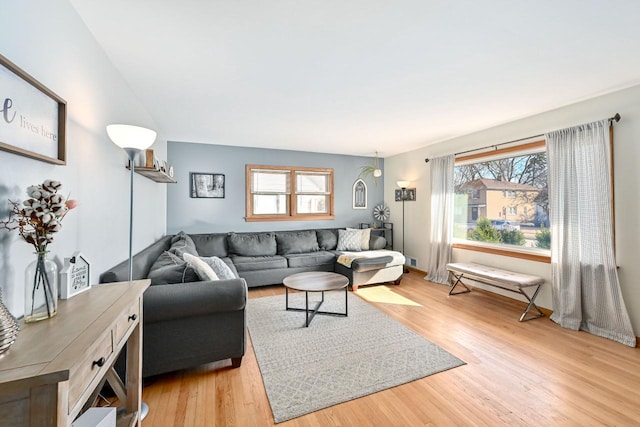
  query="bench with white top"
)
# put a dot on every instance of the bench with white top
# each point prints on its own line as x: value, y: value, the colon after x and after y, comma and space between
x: 503, y: 279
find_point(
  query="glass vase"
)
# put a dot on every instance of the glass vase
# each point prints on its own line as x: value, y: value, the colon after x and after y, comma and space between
x: 41, y: 289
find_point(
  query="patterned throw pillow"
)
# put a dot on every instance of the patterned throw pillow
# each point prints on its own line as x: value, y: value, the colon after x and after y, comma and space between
x: 222, y: 270
x: 365, y: 235
x: 349, y: 240
x: 202, y: 269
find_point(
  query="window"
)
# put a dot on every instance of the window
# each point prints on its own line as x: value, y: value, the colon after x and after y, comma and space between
x: 512, y: 214
x: 276, y: 193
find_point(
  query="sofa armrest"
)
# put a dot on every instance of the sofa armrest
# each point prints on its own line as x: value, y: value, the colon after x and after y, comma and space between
x: 182, y: 300
x: 367, y: 264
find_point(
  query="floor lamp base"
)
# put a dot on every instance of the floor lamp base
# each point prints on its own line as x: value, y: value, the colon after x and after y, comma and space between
x: 144, y: 410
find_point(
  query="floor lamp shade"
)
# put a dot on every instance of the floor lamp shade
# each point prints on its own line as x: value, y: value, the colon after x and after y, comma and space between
x: 403, y: 184
x: 128, y: 136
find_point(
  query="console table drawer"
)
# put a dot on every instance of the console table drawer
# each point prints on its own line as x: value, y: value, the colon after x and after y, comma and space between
x: 95, y: 362
x: 126, y: 322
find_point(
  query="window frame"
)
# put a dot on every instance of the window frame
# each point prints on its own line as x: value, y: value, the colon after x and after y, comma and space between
x: 532, y: 254
x: 292, y: 206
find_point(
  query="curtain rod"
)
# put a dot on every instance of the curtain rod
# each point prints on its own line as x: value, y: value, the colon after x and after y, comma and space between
x: 611, y: 119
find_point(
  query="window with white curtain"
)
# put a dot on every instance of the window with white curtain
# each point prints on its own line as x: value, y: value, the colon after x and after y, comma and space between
x: 278, y: 193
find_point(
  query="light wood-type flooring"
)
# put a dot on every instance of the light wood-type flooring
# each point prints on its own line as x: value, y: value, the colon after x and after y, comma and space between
x: 517, y: 374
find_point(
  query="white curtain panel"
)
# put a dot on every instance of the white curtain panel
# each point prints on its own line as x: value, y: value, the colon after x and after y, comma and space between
x: 441, y: 218
x: 585, y: 286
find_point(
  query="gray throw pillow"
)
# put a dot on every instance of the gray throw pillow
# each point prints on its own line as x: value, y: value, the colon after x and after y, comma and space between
x: 221, y: 269
x: 252, y: 244
x: 327, y: 239
x: 181, y: 243
x: 349, y: 240
x: 169, y: 269
x: 297, y: 242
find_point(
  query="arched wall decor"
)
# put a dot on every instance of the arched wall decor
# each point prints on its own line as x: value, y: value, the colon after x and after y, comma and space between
x: 359, y: 194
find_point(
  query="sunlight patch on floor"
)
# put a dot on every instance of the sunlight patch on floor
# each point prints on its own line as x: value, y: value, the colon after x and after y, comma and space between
x: 384, y: 295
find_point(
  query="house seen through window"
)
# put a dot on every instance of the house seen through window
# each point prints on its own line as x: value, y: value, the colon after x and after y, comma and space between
x: 501, y: 198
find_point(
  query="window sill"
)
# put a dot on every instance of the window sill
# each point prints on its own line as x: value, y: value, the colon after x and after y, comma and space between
x: 531, y: 255
x: 266, y: 218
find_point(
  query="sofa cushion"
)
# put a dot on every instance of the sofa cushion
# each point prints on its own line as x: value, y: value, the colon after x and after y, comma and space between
x: 297, y: 242
x: 252, y: 244
x: 327, y: 239
x: 168, y: 269
x: 377, y: 242
x: 310, y: 259
x: 221, y: 268
x: 181, y: 243
x: 250, y: 263
x: 349, y: 240
x: 212, y: 244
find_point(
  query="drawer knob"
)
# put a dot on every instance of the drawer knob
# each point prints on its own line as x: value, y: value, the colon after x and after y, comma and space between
x: 133, y: 317
x: 100, y: 362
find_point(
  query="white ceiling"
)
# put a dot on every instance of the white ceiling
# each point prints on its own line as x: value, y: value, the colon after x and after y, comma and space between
x: 356, y: 76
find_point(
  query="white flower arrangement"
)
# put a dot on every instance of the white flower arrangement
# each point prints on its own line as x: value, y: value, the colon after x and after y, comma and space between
x: 41, y: 215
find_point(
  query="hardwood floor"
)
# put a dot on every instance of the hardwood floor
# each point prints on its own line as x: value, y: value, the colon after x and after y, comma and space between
x: 517, y: 374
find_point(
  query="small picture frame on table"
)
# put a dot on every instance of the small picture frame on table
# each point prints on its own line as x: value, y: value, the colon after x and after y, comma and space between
x: 75, y: 276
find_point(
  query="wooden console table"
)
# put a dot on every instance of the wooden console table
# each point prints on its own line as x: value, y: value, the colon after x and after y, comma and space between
x: 56, y: 365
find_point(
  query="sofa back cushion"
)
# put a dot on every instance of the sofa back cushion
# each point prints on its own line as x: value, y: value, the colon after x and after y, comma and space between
x: 252, y: 244
x: 211, y: 244
x: 297, y: 242
x: 169, y: 269
x: 181, y: 243
x: 327, y: 239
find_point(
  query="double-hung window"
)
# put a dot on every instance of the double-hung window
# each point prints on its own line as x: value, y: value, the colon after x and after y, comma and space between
x: 278, y: 193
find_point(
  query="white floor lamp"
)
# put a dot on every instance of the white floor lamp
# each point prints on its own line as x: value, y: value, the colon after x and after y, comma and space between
x: 403, y: 196
x: 132, y: 139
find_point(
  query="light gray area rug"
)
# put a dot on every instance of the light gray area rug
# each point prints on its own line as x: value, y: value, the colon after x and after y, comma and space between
x: 336, y: 359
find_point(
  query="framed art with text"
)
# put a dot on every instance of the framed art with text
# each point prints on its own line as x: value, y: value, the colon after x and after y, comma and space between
x: 75, y: 276
x: 32, y: 117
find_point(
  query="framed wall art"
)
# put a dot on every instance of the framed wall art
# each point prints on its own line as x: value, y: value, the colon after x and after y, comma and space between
x: 32, y: 117
x: 409, y: 195
x: 206, y: 185
x: 359, y: 194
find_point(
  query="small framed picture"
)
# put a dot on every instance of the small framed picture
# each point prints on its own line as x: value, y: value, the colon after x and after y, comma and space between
x: 409, y: 195
x: 75, y: 276
x: 207, y: 185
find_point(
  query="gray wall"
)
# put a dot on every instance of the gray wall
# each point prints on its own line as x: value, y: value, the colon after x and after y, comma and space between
x: 48, y: 40
x: 221, y: 215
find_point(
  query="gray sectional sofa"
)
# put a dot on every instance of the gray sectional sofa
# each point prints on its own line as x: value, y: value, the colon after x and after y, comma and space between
x: 189, y: 322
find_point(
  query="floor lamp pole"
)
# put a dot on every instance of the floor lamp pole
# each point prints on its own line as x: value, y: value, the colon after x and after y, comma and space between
x: 131, y: 152
x: 404, y: 197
